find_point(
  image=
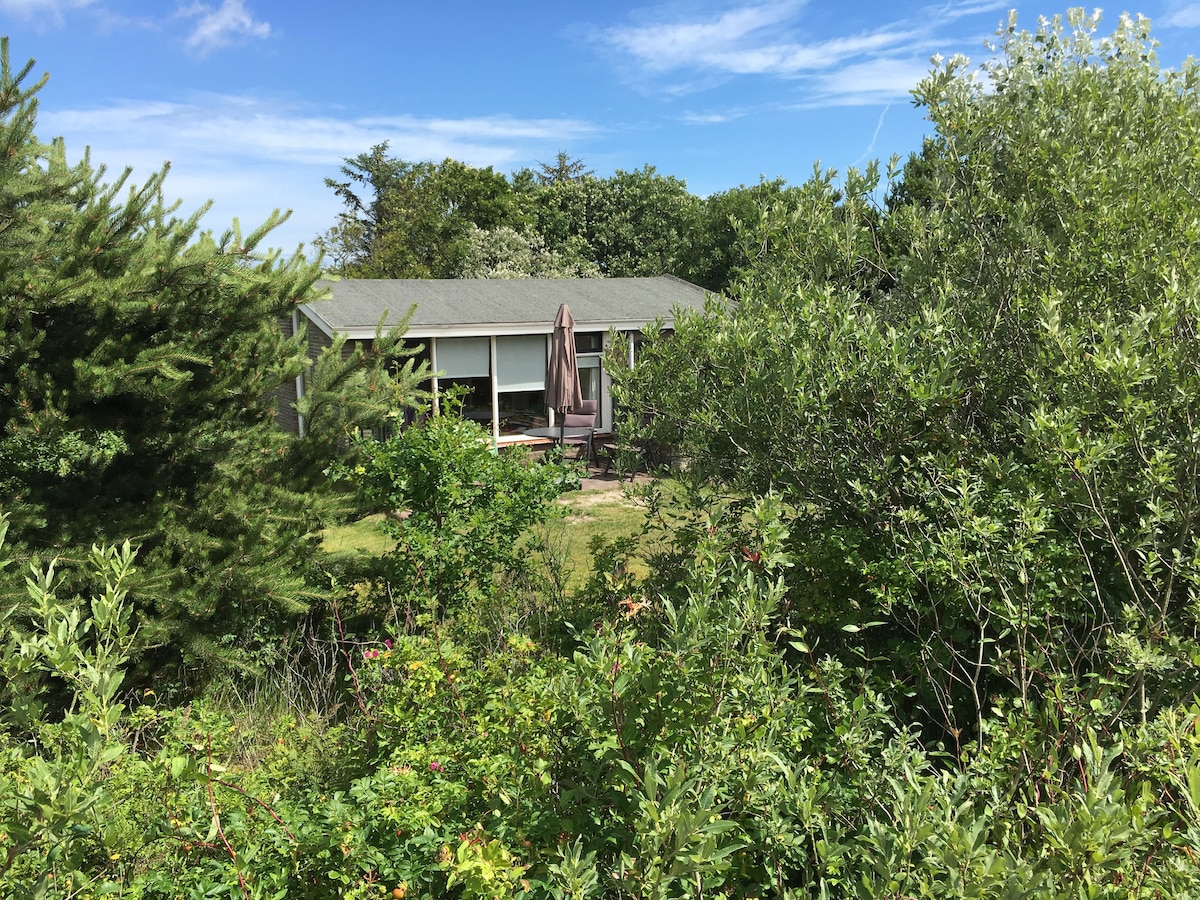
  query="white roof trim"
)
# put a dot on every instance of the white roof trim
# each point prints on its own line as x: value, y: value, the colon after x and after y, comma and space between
x: 317, y: 319
x: 479, y: 329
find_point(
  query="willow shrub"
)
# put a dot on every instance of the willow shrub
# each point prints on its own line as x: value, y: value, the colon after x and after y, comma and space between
x: 979, y: 404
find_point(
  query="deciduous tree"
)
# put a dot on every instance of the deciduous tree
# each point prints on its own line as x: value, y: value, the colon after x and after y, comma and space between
x: 434, y: 220
x: 412, y: 219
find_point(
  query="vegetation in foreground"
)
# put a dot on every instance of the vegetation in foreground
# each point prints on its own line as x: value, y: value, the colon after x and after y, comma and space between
x: 923, y: 624
x: 139, y: 360
x: 589, y: 521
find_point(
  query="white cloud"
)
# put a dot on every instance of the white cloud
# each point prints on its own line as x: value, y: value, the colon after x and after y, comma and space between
x: 950, y: 11
x: 251, y: 155
x: 826, y: 54
x: 1186, y: 16
x: 709, y: 118
x: 674, y: 56
x: 874, y: 81
x: 222, y: 26
x: 51, y: 11
x: 254, y: 129
x: 664, y: 46
x: 751, y: 40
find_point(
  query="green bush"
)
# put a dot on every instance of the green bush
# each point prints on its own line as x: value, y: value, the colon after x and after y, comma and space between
x: 978, y: 405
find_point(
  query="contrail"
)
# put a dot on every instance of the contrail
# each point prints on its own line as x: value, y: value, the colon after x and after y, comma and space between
x: 874, y: 137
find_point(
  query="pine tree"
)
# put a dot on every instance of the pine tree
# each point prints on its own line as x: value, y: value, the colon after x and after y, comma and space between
x: 139, y: 359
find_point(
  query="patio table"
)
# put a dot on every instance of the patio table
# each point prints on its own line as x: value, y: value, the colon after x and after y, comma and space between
x: 557, y: 434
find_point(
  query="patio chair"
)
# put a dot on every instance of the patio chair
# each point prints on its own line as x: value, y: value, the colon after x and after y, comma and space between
x: 585, y: 418
x: 626, y: 456
x: 626, y: 453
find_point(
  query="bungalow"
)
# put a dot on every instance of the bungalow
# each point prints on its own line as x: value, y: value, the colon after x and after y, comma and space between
x: 491, y: 337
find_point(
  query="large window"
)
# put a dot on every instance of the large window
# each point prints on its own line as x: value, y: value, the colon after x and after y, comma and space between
x: 504, y: 379
x: 590, y: 373
x: 475, y: 394
x: 521, y: 363
x: 520, y: 382
x: 589, y: 346
x: 464, y: 357
x: 466, y: 367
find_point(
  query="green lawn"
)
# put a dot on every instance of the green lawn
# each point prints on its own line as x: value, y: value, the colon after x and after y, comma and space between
x: 609, y: 513
x: 364, y: 536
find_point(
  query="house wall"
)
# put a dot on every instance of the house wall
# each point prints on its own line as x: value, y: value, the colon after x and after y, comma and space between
x: 319, y: 341
x: 286, y: 395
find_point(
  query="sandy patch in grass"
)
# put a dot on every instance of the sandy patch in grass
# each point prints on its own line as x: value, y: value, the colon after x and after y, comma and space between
x: 588, y: 499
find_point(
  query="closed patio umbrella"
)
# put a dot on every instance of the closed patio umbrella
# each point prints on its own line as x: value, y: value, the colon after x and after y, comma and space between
x: 563, y: 393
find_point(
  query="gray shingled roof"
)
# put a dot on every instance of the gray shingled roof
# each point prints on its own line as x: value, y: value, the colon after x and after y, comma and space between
x: 523, y: 304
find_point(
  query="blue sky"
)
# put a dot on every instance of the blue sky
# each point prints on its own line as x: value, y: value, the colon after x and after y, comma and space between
x: 256, y: 102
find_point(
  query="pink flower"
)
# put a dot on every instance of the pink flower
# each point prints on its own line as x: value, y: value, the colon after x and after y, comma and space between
x: 388, y: 643
x: 435, y: 766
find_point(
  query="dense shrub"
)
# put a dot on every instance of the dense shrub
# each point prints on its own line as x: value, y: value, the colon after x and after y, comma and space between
x: 979, y: 405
